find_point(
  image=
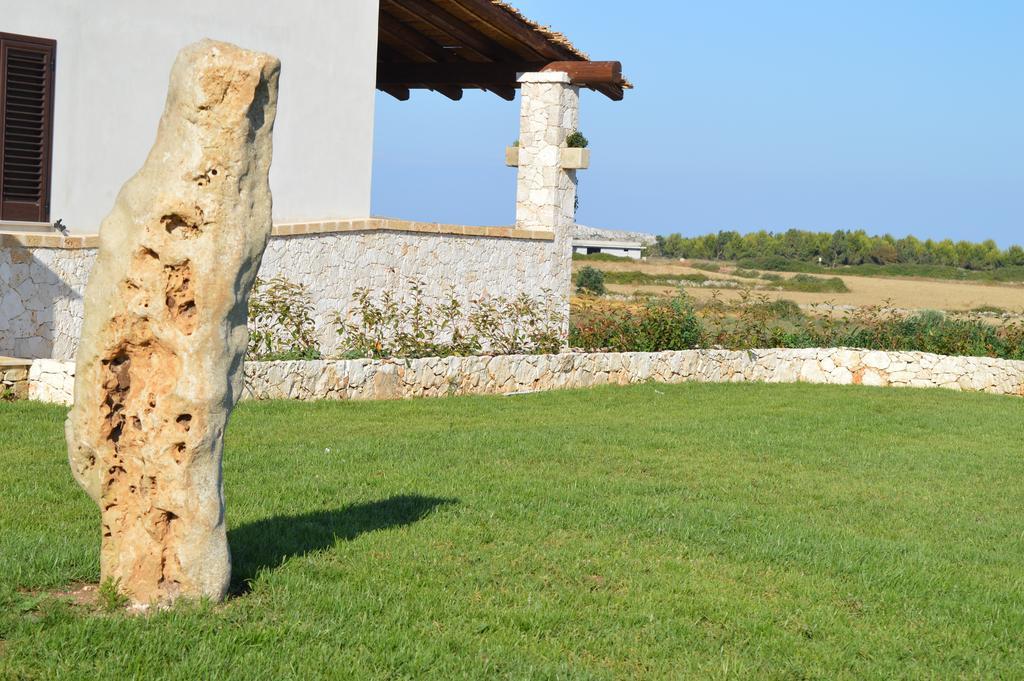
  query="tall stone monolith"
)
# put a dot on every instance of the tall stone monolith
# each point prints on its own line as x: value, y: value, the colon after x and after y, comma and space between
x: 159, y: 367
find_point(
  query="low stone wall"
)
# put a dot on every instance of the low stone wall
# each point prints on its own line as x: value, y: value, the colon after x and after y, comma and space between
x: 43, y: 276
x: 52, y: 381
x: 437, y: 377
x: 13, y: 379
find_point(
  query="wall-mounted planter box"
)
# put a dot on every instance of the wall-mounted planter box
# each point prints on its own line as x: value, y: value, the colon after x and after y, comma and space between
x: 575, y: 159
x: 512, y: 157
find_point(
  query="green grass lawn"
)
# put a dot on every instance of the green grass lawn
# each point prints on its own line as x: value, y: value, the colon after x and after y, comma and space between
x: 693, y: 531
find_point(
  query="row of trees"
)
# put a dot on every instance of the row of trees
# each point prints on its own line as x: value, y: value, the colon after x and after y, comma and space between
x: 839, y: 248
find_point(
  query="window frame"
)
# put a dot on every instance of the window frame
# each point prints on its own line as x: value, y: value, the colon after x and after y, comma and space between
x: 49, y: 45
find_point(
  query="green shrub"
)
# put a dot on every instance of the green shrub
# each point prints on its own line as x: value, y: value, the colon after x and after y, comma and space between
x: 930, y: 331
x: 759, y: 323
x: 576, y: 140
x: 747, y: 274
x: 646, y: 279
x: 706, y: 266
x: 281, y: 321
x: 806, y: 283
x: 412, y: 326
x: 990, y: 309
x: 779, y: 264
x: 590, y: 280
x: 785, y: 309
x: 659, y: 325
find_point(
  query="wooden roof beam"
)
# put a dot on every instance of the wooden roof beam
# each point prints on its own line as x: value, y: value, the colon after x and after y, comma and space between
x: 410, y: 42
x: 585, y: 73
x: 503, y: 22
x: 506, y: 93
x: 450, y: 91
x: 398, y: 92
x: 456, y: 28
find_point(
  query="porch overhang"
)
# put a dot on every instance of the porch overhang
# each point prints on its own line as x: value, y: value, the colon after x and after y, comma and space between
x: 454, y: 45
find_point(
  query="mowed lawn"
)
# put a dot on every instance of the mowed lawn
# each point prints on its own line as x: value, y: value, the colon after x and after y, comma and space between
x: 693, y: 531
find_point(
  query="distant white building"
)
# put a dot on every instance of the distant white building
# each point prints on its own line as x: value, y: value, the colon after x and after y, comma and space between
x: 621, y: 249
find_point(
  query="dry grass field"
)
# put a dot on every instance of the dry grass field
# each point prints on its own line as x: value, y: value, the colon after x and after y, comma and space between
x: 901, y: 292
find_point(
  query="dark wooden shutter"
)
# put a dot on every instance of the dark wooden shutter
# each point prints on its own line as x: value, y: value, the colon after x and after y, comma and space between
x: 26, y: 127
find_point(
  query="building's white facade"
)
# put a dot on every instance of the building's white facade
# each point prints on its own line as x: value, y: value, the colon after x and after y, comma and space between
x: 621, y: 249
x: 113, y: 61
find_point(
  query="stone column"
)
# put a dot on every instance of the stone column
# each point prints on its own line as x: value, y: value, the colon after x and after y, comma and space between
x: 545, y: 192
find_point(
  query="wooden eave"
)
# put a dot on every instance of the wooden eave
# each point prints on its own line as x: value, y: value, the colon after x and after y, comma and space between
x: 453, y: 45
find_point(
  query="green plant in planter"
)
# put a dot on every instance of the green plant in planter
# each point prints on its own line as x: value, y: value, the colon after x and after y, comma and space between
x: 577, y: 140
x: 515, y: 145
x: 590, y: 280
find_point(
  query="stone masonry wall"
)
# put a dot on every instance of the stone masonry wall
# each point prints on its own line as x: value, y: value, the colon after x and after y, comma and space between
x: 439, y: 377
x: 334, y: 266
x: 41, y: 287
x: 13, y: 380
x: 41, y: 300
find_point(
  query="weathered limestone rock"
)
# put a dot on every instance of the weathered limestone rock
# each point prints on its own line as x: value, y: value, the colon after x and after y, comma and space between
x: 159, y: 367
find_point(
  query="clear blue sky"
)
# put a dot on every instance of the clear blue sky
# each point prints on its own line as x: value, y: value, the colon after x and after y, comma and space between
x: 899, y: 116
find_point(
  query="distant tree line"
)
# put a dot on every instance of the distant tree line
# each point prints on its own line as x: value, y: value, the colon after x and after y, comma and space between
x: 839, y: 248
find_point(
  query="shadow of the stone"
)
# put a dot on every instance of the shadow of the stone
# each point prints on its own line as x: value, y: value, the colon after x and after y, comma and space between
x: 268, y: 543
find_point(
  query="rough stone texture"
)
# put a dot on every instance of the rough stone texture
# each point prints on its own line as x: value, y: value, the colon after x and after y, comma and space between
x: 52, y: 381
x: 333, y: 266
x: 41, y: 293
x: 439, y: 377
x: 582, y: 232
x: 14, y: 380
x: 159, y: 368
x: 41, y: 300
x: 545, y: 192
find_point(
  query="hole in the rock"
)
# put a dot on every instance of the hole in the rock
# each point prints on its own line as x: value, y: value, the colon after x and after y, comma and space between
x: 185, y: 421
x: 178, y: 225
x: 115, y: 433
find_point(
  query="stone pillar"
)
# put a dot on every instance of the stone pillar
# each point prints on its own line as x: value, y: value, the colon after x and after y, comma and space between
x: 159, y: 366
x: 545, y: 192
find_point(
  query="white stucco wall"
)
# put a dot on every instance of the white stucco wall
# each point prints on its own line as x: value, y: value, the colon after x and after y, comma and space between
x: 113, y: 62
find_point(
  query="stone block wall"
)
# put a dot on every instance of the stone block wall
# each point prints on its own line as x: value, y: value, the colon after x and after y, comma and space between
x: 41, y: 299
x: 13, y: 380
x: 334, y: 266
x: 440, y: 377
x: 43, y: 277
